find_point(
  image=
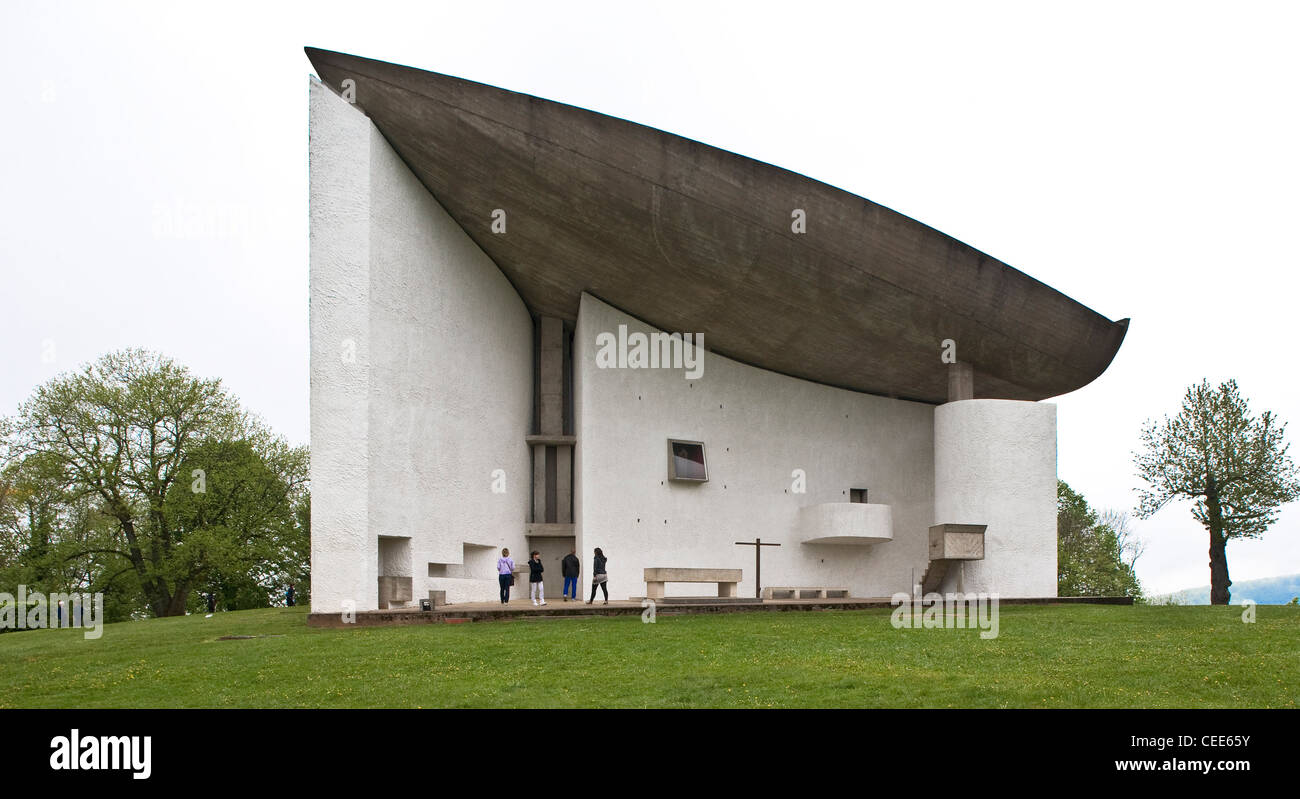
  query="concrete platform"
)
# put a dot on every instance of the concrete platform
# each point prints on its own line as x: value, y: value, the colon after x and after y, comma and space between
x: 706, y: 600
x: 524, y: 609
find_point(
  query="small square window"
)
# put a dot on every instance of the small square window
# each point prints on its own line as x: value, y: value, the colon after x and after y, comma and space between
x: 686, y: 461
x: 857, y: 495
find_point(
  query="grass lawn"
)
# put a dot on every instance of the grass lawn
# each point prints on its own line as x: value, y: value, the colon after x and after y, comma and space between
x: 1062, y: 656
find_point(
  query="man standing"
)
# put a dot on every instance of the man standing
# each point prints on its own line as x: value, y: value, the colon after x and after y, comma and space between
x: 570, y: 567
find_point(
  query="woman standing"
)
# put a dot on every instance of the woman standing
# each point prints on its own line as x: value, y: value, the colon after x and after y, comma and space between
x: 505, y: 574
x: 599, y: 577
x: 535, y: 569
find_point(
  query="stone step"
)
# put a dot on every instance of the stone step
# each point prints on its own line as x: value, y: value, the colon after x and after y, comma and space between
x: 934, y: 574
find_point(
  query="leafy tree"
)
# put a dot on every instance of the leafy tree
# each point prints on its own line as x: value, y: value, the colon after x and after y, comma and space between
x: 1090, y: 550
x: 51, y: 539
x: 1231, y: 464
x: 243, y: 523
x: 160, y: 478
x: 31, y: 501
x: 1130, y: 546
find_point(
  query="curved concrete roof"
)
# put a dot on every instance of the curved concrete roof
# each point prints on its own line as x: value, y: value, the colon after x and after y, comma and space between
x: 691, y: 238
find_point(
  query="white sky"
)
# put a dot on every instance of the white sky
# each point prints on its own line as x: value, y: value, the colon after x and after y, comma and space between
x: 1140, y: 158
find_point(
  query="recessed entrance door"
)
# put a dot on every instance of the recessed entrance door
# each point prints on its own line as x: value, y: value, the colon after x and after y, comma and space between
x: 553, y: 549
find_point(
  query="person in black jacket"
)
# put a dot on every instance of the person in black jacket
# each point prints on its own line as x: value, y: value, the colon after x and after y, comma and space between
x: 570, y: 567
x: 598, y: 577
x: 535, y: 570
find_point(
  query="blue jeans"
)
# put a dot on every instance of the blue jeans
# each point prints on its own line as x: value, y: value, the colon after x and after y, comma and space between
x: 505, y: 586
x: 571, y: 587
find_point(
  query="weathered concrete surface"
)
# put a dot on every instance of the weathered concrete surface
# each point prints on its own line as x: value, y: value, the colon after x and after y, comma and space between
x: 961, y: 382
x: 957, y: 542
x: 394, y: 591
x: 681, y: 575
x: 691, y: 238
x: 727, y: 579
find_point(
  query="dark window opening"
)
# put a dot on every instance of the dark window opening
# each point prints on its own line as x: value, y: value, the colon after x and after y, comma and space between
x: 686, y: 461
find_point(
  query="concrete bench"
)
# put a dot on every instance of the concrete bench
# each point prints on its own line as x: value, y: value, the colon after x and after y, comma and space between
x: 728, y: 580
x: 805, y: 592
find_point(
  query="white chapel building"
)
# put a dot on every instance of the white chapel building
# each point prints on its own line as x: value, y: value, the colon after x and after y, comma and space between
x: 537, y: 327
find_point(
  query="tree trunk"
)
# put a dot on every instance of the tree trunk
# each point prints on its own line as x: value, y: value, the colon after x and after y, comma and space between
x: 155, y: 593
x: 176, y: 607
x: 1219, y: 581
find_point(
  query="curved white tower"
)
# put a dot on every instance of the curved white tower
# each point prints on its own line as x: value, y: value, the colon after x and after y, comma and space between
x: 995, y: 464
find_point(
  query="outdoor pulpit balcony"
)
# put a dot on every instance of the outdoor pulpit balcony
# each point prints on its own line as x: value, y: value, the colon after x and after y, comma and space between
x: 846, y: 523
x: 957, y: 541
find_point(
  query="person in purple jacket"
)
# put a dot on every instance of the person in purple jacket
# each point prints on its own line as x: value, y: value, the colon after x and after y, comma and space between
x: 505, y: 574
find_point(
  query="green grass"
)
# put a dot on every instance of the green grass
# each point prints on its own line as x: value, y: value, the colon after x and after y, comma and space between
x: 1045, y: 656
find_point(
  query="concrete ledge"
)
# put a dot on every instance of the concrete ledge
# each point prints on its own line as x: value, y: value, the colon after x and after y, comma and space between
x: 548, y: 530
x: 453, y: 614
x: 551, y: 441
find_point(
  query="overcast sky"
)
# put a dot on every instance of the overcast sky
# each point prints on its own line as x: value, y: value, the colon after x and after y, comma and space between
x: 1141, y: 158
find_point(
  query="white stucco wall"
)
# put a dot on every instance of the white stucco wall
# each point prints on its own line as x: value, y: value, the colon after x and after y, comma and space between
x: 995, y: 464
x: 757, y: 427
x: 407, y: 435
x: 340, y: 373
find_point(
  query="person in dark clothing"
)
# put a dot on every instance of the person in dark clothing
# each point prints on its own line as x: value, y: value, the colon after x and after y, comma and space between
x: 535, y: 570
x: 288, y: 596
x: 212, y: 602
x: 570, y: 567
x: 598, y: 577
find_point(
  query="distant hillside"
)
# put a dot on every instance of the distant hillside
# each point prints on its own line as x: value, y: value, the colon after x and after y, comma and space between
x: 1268, y: 591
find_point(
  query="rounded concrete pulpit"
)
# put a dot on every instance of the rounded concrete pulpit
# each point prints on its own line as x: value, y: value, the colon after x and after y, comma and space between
x: 852, y: 523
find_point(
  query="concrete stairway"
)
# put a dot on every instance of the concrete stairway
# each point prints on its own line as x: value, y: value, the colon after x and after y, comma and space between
x: 934, y: 574
x: 950, y: 544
